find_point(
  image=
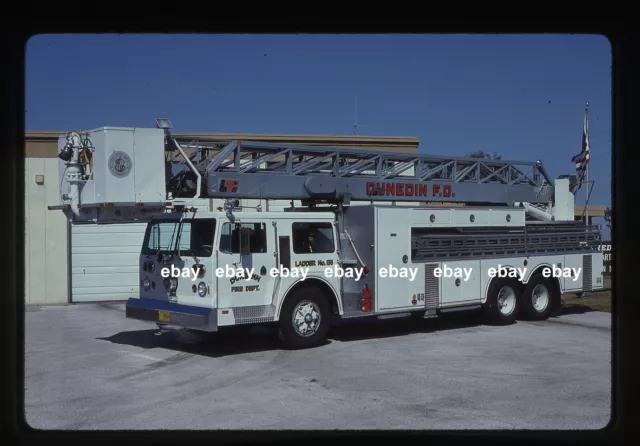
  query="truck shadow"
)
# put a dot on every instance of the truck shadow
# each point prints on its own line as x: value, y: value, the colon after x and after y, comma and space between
x: 363, y: 329
x: 264, y: 338
x: 572, y: 309
x: 214, y: 346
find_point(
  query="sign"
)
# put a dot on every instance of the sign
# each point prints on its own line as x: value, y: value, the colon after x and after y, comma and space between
x: 409, y: 190
x: 606, y: 248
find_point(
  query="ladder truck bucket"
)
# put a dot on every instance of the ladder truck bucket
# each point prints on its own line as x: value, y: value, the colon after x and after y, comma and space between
x: 112, y: 174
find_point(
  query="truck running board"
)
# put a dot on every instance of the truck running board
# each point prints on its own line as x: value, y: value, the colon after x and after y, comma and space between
x: 462, y: 308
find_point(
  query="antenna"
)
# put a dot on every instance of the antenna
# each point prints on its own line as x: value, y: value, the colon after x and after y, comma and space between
x: 355, y: 123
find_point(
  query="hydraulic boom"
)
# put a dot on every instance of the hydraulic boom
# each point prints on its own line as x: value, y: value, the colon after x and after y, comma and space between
x: 249, y: 169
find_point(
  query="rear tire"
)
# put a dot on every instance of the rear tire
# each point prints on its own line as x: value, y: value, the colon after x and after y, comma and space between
x: 503, y: 301
x: 304, y: 319
x: 538, y: 298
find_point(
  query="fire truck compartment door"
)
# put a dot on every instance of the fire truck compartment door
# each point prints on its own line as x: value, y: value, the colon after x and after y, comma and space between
x: 394, y: 288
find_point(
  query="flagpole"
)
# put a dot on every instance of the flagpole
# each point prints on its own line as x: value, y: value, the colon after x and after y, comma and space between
x: 586, y: 173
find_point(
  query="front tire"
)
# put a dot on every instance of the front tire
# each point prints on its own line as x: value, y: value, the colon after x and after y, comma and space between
x: 503, y: 299
x: 537, y: 298
x: 305, y: 319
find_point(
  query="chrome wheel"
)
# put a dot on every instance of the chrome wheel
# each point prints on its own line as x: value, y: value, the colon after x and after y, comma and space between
x: 540, y: 297
x: 506, y: 300
x: 306, y: 318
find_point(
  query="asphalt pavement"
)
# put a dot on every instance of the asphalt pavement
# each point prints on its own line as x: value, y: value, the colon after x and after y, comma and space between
x: 87, y: 367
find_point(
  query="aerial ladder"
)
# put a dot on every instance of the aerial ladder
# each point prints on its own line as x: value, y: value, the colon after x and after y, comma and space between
x: 121, y: 174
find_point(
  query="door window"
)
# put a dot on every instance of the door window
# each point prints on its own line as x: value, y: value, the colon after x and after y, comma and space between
x: 312, y: 238
x: 230, y: 237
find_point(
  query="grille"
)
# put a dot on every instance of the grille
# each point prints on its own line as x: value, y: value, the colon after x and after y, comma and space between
x: 587, y: 272
x: 431, y: 286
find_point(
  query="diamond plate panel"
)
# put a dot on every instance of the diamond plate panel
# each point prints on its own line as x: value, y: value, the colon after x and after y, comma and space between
x: 255, y: 314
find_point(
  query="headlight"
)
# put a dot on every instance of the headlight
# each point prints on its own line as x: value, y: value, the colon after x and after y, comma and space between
x: 146, y: 284
x: 202, y: 289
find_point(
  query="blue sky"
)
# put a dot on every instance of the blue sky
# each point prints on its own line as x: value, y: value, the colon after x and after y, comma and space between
x: 522, y: 96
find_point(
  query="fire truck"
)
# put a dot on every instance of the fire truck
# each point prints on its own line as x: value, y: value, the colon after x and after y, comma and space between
x: 507, y: 244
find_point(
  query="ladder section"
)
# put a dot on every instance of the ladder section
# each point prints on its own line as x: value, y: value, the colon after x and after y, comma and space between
x: 251, y: 169
x: 431, y: 244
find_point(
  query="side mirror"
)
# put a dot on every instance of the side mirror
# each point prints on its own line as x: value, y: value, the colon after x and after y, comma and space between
x: 245, y: 242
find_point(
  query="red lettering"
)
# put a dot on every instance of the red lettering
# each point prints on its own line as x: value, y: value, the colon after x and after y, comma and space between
x: 409, y: 191
x: 403, y: 189
x: 391, y: 189
x: 369, y: 188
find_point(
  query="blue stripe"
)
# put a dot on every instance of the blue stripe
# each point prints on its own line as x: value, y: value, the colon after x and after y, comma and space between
x: 154, y: 304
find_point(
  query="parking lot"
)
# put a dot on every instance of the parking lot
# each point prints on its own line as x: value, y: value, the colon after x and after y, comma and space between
x: 87, y: 367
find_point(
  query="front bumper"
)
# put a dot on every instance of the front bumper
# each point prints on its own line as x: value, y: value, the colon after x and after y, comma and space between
x: 172, y: 314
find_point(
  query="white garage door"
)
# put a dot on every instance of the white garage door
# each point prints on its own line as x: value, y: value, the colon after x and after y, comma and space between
x: 104, y: 261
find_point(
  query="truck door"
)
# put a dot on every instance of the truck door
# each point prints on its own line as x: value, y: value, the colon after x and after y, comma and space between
x: 249, y: 246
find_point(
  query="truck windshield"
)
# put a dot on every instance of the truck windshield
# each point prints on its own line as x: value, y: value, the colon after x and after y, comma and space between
x: 196, y: 237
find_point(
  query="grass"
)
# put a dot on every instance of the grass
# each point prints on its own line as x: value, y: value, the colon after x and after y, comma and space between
x: 595, y: 301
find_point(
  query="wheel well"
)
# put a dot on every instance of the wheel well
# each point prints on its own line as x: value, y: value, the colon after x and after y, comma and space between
x: 555, y: 281
x: 497, y: 278
x: 315, y: 283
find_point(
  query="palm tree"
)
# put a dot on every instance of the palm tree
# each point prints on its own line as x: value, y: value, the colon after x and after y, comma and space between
x: 485, y: 155
x: 607, y: 217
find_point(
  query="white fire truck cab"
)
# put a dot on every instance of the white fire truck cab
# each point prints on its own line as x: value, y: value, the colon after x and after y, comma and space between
x: 205, y: 270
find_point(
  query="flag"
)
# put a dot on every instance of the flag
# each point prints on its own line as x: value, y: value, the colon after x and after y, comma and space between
x: 582, y: 158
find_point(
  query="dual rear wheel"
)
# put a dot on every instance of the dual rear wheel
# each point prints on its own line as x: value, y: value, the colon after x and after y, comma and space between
x: 305, y: 316
x: 508, y: 299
